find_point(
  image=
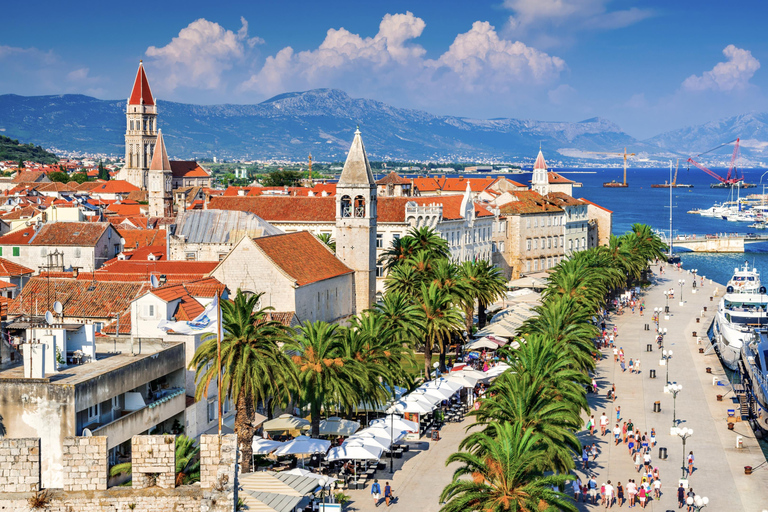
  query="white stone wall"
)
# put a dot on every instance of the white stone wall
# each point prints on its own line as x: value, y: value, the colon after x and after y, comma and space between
x: 576, y: 229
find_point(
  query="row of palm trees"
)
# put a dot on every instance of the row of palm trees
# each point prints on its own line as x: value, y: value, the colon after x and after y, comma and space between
x: 524, y: 441
x: 330, y: 367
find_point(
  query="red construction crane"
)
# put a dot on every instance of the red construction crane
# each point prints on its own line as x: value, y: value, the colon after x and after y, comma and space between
x: 733, y: 175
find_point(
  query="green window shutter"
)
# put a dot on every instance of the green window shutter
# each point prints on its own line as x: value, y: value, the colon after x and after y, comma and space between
x: 15, y: 251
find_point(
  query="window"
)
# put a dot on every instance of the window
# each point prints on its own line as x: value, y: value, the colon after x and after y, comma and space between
x: 549, y: 242
x: 117, y: 250
x: 1, y: 251
x: 562, y: 244
x: 379, y: 240
x: 528, y: 265
x: 151, y: 311
x: 92, y: 414
x: 222, y: 255
x: 584, y: 242
x: 396, y: 236
x: 528, y: 222
x: 535, y: 243
x: 359, y: 207
x: 535, y: 264
x: 190, y: 256
x: 346, y: 206
x: 570, y: 245
x: 213, y: 410
x: 535, y: 222
x: 528, y: 244
x: 379, y: 271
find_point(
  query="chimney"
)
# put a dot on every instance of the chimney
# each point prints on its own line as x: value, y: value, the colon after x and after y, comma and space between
x: 241, y: 192
x: 75, y: 272
x: 34, y: 360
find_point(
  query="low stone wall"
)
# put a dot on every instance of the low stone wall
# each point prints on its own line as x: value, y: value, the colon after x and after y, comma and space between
x: 85, y: 463
x: 19, y: 465
x: 153, y: 461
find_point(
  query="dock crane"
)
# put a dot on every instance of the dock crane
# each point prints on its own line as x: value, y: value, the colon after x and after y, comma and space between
x: 732, y: 177
x: 614, y: 184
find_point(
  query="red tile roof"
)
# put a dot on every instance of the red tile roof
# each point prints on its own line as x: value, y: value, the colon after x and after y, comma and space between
x: 185, y: 270
x: 112, y: 187
x: 83, y: 234
x: 393, y: 179
x: 284, y: 208
x: 81, y: 298
x: 595, y: 204
x: 22, y: 213
x: 556, y: 178
x: 170, y: 292
x: 529, y: 202
x: 123, y: 210
x: 302, y: 257
x: 29, y: 177
x: 11, y: 269
x: 188, y: 169
x: 563, y: 199
x: 188, y: 309
x: 540, y: 163
x: 135, y: 238
x: 20, y: 237
x: 141, y: 94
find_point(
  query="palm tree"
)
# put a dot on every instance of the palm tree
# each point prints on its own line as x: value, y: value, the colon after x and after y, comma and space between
x: 427, y: 239
x: 328, y: 241
x: 504, y: 464
x: 437, y: 318
x: 325, y: 373
x: 485, y: 284
x: 399, y: 315
x: 187, y: 462
x: 405, y: 280
x: 397, y: 253
x: 254, y: 368
x: 651, y: 245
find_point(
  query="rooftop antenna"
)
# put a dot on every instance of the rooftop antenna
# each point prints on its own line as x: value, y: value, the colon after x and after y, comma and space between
x: 154, y: 281
x: 57, y: 307
x: 48, y: 317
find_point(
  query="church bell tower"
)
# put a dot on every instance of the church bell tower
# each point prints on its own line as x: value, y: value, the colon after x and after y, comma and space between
x: 356, y: 223
x: 159, y: 181
x: 140, y: 131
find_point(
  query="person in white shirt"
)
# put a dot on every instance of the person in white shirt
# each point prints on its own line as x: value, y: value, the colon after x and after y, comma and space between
x: 603, y: 424
x: 631, y: 492
x: 608, y: 494
x: 617, y: 434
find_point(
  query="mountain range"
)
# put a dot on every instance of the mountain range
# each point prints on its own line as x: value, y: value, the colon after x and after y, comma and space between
x: 321, y: 122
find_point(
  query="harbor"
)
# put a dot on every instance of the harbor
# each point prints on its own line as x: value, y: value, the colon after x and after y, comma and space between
x: 705, y: 403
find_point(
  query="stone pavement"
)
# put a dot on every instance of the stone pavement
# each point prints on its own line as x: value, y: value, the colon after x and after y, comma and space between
x: 718, y: 471
x: 420, y: 477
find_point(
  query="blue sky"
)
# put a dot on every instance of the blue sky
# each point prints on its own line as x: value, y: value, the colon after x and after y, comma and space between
x: 648, y: 66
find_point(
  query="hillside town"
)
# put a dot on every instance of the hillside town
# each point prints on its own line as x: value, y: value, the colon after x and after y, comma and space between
x: 91, y: 272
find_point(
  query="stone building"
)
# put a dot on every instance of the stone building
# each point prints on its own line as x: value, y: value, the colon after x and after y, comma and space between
x: 532, y: 231
x: 140, y: 131
x: 393, y: 185
x: 600, y: 224
x: 576, y: 217
x: 295, y: 272
x: 159, y: 182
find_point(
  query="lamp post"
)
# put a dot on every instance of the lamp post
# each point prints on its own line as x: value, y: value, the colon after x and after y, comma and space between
x: 666, y: 296
x: 697, y: 502
x: 684, y: 433
x: 674, y: 389
x: 391, y: 412
x: 694, y: 277
x: 681, y: 282
x: 666, y: 355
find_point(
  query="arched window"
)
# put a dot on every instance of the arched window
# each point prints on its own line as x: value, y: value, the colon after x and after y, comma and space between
x: 359, y: 206
x: 346, y: 206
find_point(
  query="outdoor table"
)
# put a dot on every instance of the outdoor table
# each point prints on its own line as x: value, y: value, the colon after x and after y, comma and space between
x: 399, y: 454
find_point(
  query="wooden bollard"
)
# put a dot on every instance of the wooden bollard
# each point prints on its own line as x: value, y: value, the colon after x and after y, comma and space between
x: 709, y: 370
x: 701, y: 350
x: 719, y: 398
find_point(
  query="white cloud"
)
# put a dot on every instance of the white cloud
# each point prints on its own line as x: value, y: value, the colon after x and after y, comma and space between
x: 27, y: 54
x: 476, y: 60
x: 564, y: 17
x: 563, y: 94
x: 200, y: 53
x: 78, y: 75
x: 734, y: 74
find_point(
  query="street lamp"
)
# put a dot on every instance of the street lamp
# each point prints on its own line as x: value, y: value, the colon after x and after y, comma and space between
x: 674, y: 389
x: 666, y: 355
x: 391, y: 411
x: 666, y: 296
x: 681, y: 282
x: 684, y: 433
x: 697, y: 502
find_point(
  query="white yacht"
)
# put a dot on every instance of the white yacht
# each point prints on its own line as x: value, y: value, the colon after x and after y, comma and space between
x: 743, y: 308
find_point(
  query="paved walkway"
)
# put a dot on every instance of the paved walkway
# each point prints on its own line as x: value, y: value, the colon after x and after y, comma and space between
x: 718, y: 471
x: 419, y: 479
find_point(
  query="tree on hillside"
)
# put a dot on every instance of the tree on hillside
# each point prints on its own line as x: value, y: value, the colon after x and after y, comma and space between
x: 281, y: 179
x: 21, y: 164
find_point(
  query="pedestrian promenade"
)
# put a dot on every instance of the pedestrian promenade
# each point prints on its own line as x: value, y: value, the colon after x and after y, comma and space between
x: 719, y: 466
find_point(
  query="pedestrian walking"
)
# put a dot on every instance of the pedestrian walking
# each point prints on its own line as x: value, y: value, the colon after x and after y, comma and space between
x: 631, y: 366
x: 594, y: 385
x: 602, y: 494
x: 591, y: 425
x: 637, y: 366
x: 615, y: 355
x: 647, y: 461
x: 653, y: 437
x: 691, y: 495
x: 603, y: 424
x: 619, y: 494
x: 608, y: 495
x: 617, y: 435
x: 593, y: 490
x: 576, y: 489
x: 631, y: 492
x: 594, y: 451
x: 690, y: 463
x: 680, y: 496
x: 641, y: 495
x: 376, y: 492
x: 623, y: 366
x: 584, y: 458
x: 631, y: 446
x: 638, y: 462
x: 624, y: 432
x: 387, y: 493
x: 657, y: 489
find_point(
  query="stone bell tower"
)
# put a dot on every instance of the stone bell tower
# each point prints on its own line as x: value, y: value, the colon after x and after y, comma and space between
x: 540, y: 178
x: 140, y: 131
x: 159, y: 181
x: 356, y: 222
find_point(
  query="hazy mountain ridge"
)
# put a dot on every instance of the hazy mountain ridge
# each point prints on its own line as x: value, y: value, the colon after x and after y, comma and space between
x: 321, y: 122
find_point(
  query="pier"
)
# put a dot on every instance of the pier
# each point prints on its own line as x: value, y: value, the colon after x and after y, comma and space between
x: 722, y: 242
x: 721, y: 454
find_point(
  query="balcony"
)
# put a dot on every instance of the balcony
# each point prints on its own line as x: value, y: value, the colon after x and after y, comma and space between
x: 136, y: 422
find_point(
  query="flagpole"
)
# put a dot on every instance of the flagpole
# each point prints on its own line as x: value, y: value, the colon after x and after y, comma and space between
x: 218, y: 353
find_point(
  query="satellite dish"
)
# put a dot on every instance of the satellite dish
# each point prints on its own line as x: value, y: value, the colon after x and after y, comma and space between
x: 57, y: 307
x: 48, y: 317
x: 122, y: 242
x: 153, y: 281
x: 87, y: 432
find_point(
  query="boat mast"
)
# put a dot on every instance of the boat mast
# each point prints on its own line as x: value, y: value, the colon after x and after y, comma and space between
x: 670, y: 209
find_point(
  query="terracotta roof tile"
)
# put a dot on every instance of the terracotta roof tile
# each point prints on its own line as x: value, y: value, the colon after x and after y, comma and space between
x: 302, y: 256
x: 529, y: 202
x: 141, y: 93
x: 595, y: 204
x: 188, y: 309
x: 112, y: 187
x: 285, y: 208
x: 80, y: 298
x: 170, y: 292
x: 11, y: 269
x: 393, y: 179
x: 22, y: 213
x: 20, y: 237
x: 562, y: 199
x: 30, y: 177
x: 83, y: 234
x: 555, y: 178
x: 188, y: 169
x: 136, y: 238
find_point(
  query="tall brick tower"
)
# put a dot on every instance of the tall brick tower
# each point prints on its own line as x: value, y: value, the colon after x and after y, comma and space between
x: 356, y: 222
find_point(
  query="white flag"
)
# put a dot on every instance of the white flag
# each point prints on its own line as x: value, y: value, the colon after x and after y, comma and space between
x: 206, y: 321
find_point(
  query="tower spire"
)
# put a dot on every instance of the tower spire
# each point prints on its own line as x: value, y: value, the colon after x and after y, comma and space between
x: 141, y: 93
x: 160, y: 160
x: 357, y: 169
